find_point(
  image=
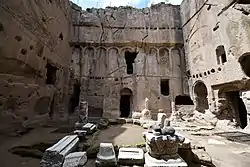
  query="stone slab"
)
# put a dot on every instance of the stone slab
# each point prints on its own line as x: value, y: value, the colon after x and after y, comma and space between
x: 80, y: 133
x: 131, y: 156
x: 173, y: 162
x: 106, y: 156
x: 54, y: 156
x: 76, y: 159
x: 89, y: 127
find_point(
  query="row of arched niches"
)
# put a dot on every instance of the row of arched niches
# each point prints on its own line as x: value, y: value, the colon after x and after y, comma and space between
x: 162, y: 53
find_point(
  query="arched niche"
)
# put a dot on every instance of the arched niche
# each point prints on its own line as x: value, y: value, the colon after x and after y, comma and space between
x: 201, y: 93
x: 152, y: 62
x: 89, y: 53
x: 113, y: 60
x: 164, y: 56
x: 101, y: 61
x: 244, y: 61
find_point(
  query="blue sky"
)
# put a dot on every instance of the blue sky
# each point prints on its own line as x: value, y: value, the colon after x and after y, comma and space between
x: 135, y: 3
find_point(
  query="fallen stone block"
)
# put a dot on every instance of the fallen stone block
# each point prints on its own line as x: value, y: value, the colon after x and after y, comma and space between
x: 106, y: 156
x: 81, y: 134
x: 89, y: 127
x: 54, y: 156
x: 76, y: 159
x: 103, y: 124
x: 131, y: 156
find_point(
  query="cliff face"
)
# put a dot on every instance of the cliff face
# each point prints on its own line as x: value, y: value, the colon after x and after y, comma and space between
x: 108, y: 37
x: 34, y: 59
x: 217, y: 45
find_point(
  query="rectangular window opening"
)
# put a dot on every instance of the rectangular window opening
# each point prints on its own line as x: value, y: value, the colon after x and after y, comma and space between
x: 243, y: 2
x: 165, y: 87
x: 130, y: 59
x: 221, y: 55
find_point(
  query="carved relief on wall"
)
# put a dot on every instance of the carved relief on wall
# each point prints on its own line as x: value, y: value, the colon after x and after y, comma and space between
x: 164, y: 56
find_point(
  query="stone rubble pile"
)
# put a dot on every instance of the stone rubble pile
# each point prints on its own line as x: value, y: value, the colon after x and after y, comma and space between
x: 161, y: 141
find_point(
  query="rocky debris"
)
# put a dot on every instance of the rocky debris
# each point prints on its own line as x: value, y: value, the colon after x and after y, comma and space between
x: 90, y: 128
x: 113, y: 121
x: 202, y: 157
x: 136, y: 122
x: 106, y: 156
x: 185, y: 145
x: 129, y: 121
x: 146, y: 114
x: 76, y: 159
x: 103, y: 124
x: 121, y: 121
x: 136, y: 115
x: 131, y: 156
x: 54, y: 156
x: 185, y: 112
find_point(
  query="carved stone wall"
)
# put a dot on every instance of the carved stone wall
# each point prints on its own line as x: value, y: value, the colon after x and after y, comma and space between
x: 32, y: 34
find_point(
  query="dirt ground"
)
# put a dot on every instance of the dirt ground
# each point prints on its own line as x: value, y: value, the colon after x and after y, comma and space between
x: 223, y: 152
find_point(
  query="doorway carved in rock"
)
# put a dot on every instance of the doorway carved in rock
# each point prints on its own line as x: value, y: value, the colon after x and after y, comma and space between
x: 125, y: 102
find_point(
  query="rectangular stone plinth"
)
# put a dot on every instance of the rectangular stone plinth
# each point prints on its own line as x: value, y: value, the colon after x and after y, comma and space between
x: 176, y: 161
x: 131, y: 156
x: 106, y: 156
x: 54, y: 156
x: 89, y: 127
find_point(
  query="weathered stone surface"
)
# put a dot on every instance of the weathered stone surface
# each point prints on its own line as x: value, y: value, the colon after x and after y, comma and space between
x: 79, y: 125
x: 136, y: 115
x: 185, y: 145
x: 131, y: 156
x: 76, y: 159
x: 202, y: 157
x: 27, y: 92
x: 81, y: 134
x: 106, y: 156
x: 161, y: 118
x: 161, y: 145
x: 90, y: 128
x: 54, y: 156
x: 173, y: 161
x: 103, y: 124
x: 121, y: 121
